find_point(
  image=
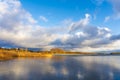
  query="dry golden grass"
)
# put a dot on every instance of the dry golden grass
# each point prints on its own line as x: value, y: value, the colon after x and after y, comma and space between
x: 6, y: 54
x: 11, y: 54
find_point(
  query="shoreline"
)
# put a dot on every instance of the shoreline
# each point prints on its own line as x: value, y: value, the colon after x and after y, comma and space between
x: 11, y: 57
x: 8, y: 54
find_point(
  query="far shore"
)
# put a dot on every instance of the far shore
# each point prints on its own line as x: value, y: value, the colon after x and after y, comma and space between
x: 8, y: 54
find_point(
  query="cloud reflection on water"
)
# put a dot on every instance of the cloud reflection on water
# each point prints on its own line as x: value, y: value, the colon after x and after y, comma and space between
x: 70, y: 68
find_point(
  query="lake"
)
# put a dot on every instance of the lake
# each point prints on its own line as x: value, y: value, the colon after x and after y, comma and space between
x: 62, y: 68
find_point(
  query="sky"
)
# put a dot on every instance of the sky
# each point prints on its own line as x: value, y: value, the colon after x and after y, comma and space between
x: 76, y: 25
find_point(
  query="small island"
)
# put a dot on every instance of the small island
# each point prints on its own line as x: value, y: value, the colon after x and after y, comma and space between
x: 6, y: 54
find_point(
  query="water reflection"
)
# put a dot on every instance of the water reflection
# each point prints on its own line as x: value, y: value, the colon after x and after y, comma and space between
x: 64, y: 68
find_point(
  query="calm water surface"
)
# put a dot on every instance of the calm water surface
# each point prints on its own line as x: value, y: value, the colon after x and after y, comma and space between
x: 62, y: 68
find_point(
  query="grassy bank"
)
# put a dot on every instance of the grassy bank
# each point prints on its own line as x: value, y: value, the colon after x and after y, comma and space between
x: 12, y: 54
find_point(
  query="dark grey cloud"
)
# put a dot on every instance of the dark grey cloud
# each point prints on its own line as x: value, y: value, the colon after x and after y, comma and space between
x: 7, y: 44
x: 115, y: 37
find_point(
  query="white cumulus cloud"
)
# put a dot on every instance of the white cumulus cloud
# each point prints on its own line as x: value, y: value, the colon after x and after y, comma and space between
x: 18, y: 27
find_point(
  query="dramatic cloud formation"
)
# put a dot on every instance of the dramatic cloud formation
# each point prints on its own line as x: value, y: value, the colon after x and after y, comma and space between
x: 19, y: 28
x: 80, y: 24
x: 82, y: 34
